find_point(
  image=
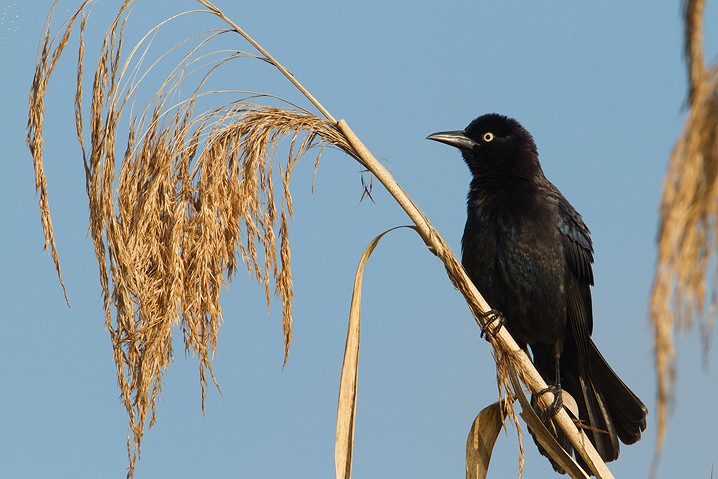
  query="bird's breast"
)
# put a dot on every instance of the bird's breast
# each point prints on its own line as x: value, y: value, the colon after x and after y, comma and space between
x: 516, y: 262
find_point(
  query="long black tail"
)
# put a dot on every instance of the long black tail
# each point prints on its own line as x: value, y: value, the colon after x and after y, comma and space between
x: 608, y: 409
x: 626, y: 411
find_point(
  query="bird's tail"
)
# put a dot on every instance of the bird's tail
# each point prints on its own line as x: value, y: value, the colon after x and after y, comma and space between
x: 607, y: 408
x: 627, y: 412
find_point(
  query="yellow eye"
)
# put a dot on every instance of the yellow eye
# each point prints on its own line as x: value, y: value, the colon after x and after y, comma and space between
x: 488, y: 136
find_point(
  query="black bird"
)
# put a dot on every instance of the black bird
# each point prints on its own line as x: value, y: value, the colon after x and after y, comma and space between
x: 529, y: 253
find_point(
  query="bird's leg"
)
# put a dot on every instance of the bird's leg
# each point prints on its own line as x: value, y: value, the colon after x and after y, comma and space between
x: 489, y: 317
x: 556, y: 390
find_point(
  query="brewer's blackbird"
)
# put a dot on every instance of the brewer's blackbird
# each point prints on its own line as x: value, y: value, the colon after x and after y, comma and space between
x: 529, y: 253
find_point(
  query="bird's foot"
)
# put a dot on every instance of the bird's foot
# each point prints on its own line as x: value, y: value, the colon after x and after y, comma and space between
x: 555, y: 406
x: 491, y: 316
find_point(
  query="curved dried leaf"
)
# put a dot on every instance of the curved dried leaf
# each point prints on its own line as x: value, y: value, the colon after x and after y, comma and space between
x: 482, y: 438
x: 346, y: 409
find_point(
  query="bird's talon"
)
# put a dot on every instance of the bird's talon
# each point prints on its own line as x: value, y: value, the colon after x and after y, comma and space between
x: 555, y: 406
x: 491, y: 316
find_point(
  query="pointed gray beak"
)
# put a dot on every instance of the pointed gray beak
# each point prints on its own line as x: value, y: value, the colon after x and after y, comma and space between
x: 457, y: 139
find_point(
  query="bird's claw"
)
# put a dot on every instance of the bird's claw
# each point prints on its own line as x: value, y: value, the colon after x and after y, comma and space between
x: 491, y: 316
x: 555, y: 406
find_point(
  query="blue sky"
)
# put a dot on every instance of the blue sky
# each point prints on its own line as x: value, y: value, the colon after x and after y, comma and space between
x: 600, y: 86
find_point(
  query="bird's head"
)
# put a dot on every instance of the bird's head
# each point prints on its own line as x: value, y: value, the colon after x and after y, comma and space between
x: 494, y: 145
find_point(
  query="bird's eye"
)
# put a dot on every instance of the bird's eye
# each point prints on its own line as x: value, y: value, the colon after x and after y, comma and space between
x: 488, y: 136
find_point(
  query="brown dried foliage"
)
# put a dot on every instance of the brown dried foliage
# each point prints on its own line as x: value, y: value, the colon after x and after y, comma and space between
x: 687, y: 236
x: 191, y: 194
x: 48, y: 55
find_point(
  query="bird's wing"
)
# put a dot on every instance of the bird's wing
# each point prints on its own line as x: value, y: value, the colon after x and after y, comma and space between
x: 578, y: 251
x: 576, y: 241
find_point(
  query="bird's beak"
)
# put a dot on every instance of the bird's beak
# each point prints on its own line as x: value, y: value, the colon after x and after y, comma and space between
x: 457, y: 139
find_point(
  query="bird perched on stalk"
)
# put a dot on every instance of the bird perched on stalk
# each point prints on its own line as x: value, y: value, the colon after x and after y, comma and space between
x: 529, y: 253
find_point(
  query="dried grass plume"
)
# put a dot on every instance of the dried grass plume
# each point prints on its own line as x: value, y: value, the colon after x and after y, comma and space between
x: 190, y: 195
x: 684, y: 287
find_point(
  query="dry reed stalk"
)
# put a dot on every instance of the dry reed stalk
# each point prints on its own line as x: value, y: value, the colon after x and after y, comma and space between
x: 687, y: 236
x: 195, y: 191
